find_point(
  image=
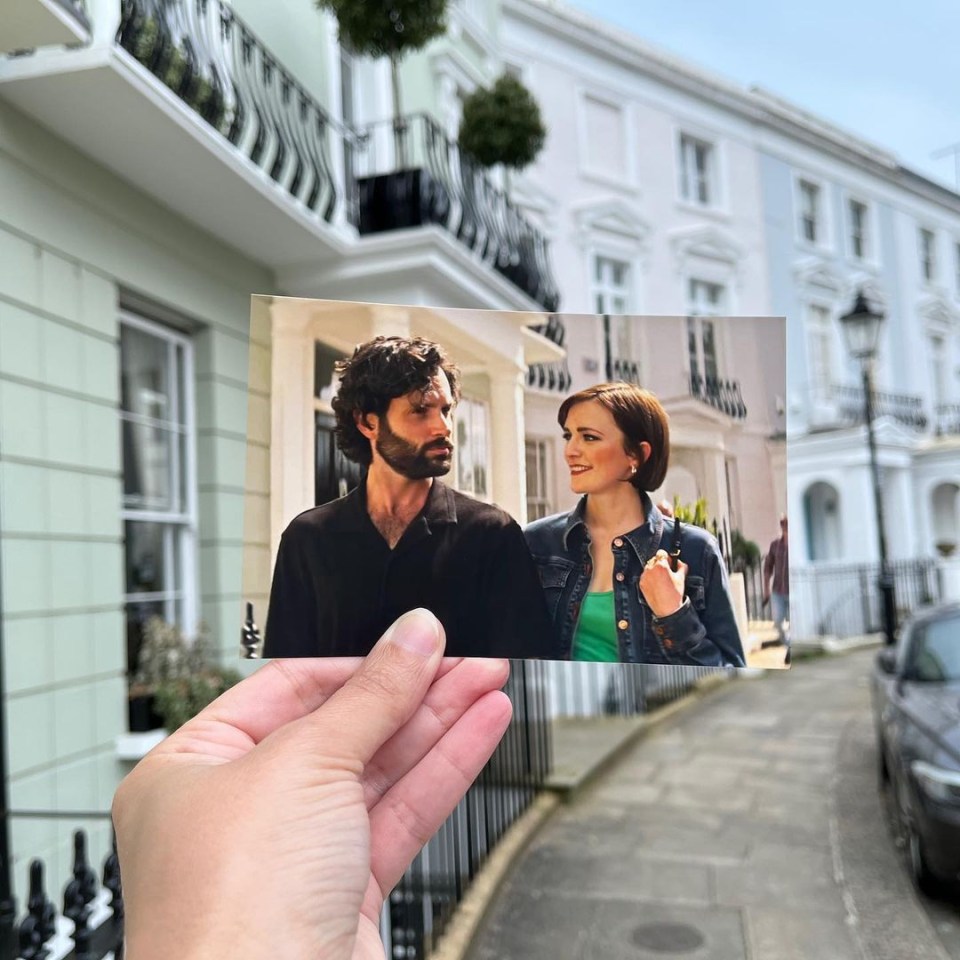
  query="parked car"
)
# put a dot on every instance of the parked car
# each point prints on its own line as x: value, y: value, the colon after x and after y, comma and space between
x: 916, y: 702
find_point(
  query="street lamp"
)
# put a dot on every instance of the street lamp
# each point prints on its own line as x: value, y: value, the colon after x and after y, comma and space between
x: 861, y: 330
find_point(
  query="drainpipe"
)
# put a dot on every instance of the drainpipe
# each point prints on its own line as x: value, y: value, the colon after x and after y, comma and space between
x: 8, y: 906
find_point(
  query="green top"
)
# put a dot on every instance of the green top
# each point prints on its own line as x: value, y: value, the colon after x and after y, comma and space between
x: 596, y: 636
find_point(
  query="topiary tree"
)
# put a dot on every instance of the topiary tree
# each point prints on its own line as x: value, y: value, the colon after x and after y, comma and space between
x: 502, y: 124
x: 388, y: 28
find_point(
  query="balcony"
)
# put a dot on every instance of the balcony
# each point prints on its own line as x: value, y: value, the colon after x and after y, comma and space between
x: 905, y: 409
x: 722, y: 395
x: 191, y: 107
x: 554, y: 375
x: 947, y: 419
x: 408, y: 173
x: 28, y: 24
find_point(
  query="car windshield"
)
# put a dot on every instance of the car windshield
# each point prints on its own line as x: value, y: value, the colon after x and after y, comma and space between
x: 937, y: 655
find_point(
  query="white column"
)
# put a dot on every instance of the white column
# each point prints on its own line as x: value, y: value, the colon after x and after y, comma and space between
x: 291, y: 417
x: 507, y: 454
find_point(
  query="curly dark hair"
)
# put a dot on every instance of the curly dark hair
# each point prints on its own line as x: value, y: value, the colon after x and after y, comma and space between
x: 379, y: 371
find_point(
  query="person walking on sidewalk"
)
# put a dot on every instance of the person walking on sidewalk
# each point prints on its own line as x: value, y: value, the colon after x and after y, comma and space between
x: 777, y: 566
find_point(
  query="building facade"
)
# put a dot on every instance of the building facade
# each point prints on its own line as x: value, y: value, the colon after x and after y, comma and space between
x: 162, y: 161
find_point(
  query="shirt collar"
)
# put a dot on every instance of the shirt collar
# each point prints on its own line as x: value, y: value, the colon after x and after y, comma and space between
x: 439, y: 507
x: 644, y: 540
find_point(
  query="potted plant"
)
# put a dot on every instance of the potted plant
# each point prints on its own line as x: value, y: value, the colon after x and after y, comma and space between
x: 401, y: 197
x: 174, y: 679
x: 502, y: 125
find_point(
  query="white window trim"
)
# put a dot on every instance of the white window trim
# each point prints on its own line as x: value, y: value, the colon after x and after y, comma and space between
x: 187, y: 518
x: 934, y: 280
x: 719, y: 205
x: 629, y: 182
x: 726, y: 367
x: 827, y: 233
x: 871, y: 236
x: 549, y: 479
x: 487, y: 495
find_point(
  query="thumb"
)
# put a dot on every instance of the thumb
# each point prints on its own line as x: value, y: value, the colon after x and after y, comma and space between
x: 385, y: 691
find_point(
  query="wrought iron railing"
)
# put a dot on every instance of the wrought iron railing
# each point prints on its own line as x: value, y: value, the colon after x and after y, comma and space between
x: 556, y: 374
x: 423, y: 902
x: 204, y: 52
x: 618, y: 689
x: 626, y: 370
x: 723, y: 395
x: 947, y: 419
x: 88, y: 925
x: 902, y: 407
x: 831, y: 599
x: 408, y: 172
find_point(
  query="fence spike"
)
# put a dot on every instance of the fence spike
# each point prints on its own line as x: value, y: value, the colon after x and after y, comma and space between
x: 82, y: 872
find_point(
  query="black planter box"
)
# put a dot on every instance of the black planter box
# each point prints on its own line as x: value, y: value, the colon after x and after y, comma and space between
x: 405, y: 198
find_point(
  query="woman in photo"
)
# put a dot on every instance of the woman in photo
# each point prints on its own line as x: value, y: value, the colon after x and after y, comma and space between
x: 606, y: 567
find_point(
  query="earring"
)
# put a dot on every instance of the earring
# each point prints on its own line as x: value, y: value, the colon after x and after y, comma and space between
x: 633, y: 469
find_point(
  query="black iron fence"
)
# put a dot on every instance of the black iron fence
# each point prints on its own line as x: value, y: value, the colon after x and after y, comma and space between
x: 618, y: 689
x: 423, y: 902
x: 843, y: 600
x: 407, y: 172
x: 723, y: 395
x: 204, y: 52
x: 554, y: 375
x: 84, y: 923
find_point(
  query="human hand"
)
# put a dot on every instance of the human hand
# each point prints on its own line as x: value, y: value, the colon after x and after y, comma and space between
x: 666, y: 508
x: 276, y: 821
x: 661, y: 586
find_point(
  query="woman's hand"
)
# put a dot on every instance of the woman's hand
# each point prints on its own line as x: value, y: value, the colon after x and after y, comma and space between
x: 276, y: 821
x: 662, y: 587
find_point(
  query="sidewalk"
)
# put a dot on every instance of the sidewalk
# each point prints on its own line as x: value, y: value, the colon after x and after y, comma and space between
x: 745, y: 826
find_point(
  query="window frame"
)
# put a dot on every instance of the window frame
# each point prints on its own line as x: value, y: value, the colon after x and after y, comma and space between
x: 800, y: 217
x: 695, y: 326
x: 179, y: 528
x: 929, y: 266
x: 544, y: 457
x: 867, y: 253
x: 464, y: 414
x: 711, y: 177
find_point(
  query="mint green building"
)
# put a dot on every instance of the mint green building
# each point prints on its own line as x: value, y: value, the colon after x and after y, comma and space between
x: 160, y: 163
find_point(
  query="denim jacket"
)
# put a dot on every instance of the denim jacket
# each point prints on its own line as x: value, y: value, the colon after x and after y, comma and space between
x: 703, y: 632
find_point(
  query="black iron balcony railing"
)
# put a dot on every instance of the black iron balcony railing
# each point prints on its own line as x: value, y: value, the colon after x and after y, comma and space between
x: 947, y: 419
x: 555, y: 375
x: 724, y: 395
x: 210, y: 59
x: 626, y: 370
x: 408, y: 172
x: 904, y: 408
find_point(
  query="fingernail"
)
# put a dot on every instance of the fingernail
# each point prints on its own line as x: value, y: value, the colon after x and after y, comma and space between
x: 416, y: 631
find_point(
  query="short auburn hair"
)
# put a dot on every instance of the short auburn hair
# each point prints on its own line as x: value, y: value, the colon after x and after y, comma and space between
x: 379, y: 371
x: 641, y: 418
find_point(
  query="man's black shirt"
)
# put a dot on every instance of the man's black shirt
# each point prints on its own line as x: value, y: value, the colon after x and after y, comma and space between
x: 337, y: 585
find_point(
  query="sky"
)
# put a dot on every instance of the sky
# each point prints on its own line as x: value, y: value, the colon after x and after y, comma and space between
x: 886, y: 70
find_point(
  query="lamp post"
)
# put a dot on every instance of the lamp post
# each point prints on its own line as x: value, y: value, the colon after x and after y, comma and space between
x: 861, y: 330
